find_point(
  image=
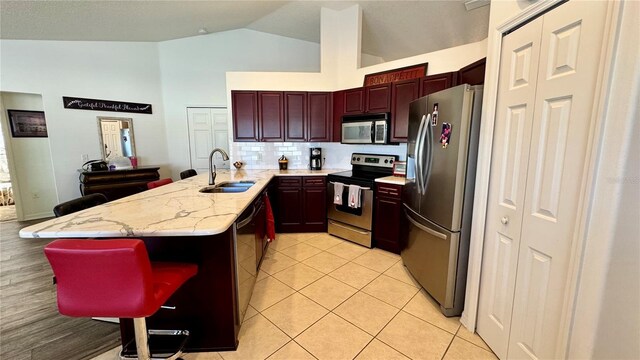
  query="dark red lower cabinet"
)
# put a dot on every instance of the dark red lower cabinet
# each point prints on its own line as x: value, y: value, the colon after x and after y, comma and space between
x: 387, y: 217
x: 302, y: 204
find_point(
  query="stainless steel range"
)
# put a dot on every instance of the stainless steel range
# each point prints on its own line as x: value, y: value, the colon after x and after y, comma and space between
x: 355, y: 223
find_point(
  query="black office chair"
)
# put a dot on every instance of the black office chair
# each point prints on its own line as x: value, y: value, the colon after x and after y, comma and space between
x: 187, y: 174
x: 78, y: 204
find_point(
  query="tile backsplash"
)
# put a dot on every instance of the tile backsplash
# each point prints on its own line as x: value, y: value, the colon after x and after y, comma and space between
x: 265, y: 155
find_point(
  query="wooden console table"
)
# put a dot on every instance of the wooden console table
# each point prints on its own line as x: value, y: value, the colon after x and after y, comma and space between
x: 117, y: 184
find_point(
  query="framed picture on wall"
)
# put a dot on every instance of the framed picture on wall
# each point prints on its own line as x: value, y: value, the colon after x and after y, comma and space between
x: 27, y: 123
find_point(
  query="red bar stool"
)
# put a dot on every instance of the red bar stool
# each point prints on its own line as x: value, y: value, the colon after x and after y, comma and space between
x: 114, y: 278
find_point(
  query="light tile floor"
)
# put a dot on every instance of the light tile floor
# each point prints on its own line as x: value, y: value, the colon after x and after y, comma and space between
x: 320, y: 297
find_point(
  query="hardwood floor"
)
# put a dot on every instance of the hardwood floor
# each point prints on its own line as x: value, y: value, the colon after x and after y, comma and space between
x: 30, y: 325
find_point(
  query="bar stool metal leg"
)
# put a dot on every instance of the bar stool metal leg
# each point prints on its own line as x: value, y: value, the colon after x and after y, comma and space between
x: 142, y: 345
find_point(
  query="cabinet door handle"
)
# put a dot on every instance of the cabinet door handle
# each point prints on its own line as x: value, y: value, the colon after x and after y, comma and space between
x: 504, y: 220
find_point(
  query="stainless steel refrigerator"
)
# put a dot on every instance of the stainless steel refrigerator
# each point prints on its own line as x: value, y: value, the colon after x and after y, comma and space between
x: 438, y: 195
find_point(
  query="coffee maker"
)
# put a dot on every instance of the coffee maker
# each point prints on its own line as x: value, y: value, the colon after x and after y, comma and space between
x: 315, y: 158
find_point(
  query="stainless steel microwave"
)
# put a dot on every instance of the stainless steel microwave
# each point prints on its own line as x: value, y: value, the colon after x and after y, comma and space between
x: 365, y: 129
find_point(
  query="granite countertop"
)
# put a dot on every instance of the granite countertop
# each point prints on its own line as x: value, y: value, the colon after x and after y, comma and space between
x: 176, y: 209
x: 396, y: 180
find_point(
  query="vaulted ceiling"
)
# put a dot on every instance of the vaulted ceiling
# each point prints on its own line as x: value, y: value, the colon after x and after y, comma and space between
x: 390, y: 29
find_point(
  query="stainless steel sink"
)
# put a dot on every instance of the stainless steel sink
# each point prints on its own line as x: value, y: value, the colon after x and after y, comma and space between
x: 229, y: 187
x: 242, y: 183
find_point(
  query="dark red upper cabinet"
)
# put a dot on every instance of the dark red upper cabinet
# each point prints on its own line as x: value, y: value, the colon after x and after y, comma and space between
x: 338, y: 112
x: 354, y: 101
x: 295, y: 115
x: 373, y: 99
x: 473, y: 74
x: 434, y: 83
x: 319, y: 116
x: 271, y: 115
x: 244, y: 106
x: 308, y: 116
x: 378, y: 98
x: 402, y: 93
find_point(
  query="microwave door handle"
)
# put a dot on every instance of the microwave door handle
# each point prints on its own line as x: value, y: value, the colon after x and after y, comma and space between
x: 373, y: 132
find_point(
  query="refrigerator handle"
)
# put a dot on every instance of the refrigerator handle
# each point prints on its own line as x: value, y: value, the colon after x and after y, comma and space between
x: 426, y: 168
x: 418, y: 152
x: 422, y: 227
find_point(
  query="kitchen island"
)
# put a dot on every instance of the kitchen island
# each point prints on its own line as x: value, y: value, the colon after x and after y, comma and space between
x: 179, y: 223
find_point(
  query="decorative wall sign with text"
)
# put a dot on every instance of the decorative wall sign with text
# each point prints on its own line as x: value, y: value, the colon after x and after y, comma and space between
x: 405, y: 73
x: 105, y: 105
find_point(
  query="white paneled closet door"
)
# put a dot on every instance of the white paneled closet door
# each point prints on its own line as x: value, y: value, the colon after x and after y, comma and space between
x: 507, y: 183
x: 543, y: 123
x: 208, y: 129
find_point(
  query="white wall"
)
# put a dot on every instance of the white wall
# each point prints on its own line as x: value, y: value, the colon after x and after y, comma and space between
x: 618, y: 328
x: 193, y: 72
x: 97, y: 70
x: 31, y: 168
x: 446, y: 60
x: 340, y: 51
x: 369, y: 60
x: 607, y: 313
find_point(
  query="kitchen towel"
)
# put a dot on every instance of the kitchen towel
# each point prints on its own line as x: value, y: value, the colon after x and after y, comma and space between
x: 354, y: 196
x: 337, y: 189
x: 271, y: 225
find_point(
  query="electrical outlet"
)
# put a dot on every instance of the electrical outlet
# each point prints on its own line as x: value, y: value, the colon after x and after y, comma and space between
x: 84, y: 158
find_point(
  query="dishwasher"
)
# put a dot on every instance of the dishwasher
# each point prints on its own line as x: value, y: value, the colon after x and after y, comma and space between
x: 249, y: 239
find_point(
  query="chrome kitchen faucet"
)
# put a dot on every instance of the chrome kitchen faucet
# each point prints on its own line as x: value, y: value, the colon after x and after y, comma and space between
x: 212, y: 173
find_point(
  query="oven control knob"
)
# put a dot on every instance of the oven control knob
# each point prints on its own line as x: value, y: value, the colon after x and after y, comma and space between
x: 391, y: 161
x: 386, y: 161
x: 358, y: 159
x: 354, y: 158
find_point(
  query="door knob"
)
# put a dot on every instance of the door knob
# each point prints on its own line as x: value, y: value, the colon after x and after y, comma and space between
x: 504, y: 220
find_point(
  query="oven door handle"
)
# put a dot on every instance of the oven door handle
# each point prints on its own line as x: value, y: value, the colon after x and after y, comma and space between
x: 347, y: 185
x: 348, y: 228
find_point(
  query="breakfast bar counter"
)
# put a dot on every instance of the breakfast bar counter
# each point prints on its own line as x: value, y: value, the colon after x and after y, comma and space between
x: 176, y: 209
x: 179, y: 223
